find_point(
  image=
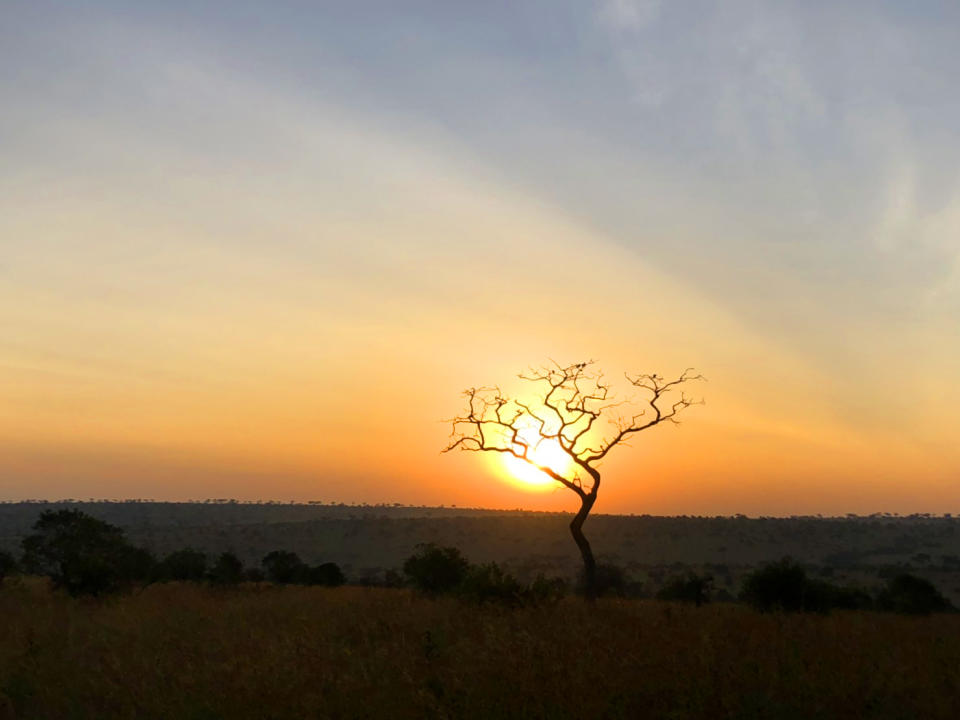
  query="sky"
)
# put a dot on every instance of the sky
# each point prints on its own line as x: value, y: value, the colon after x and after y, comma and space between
x: 257, y: 250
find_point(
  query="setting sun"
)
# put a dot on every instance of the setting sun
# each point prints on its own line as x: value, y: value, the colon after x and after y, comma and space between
x: 544, y: 452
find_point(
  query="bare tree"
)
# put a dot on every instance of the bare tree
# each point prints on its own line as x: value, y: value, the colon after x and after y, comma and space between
x: 572, y: 404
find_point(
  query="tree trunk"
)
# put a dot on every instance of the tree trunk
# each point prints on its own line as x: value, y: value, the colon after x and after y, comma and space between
x: 589, y: 564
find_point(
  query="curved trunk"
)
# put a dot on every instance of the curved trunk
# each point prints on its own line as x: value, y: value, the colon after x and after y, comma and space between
x: 589, y: 564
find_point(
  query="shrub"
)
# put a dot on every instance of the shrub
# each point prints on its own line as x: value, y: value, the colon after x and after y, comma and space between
x: 328, y: 574
x: 912, y: 595
x: 545, y: 591
x: 784, y: 585
x: 227, y: 570
x: 611, y: 582
x: 434, y: 569
x: 778, y: 586
x: 8, y: 565
x: 83, y: 555
x: 691, y: 588
x: 185, y: 565
x: 283, y: 567
x: 490, y: 583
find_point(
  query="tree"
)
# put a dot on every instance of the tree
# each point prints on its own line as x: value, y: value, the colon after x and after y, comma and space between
x: 8, y: 565
x: 82, y: 554
x: 912, y: 595
x: 227, y: 570
x: 781, y: 585
x: 434, y: 570
x: 187, y: 564
x: 691, y: 588
x: 572, y: 403
x: 328, y: 574
x: 283, y: 567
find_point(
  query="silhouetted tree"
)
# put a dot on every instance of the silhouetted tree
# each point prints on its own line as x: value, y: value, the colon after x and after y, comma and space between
x: 82, y: 554
x: 610, y: 580
x: 691, y: 588
x: 283, y: 567
x: 912, y: 595
x: 8, y: 565
x: 565, y: 413
x: 328, y: 574
x: 784, y: 585
x: 490, y: 583
x: 435, y: 569
x: 185, y: 565
x: 227, y: 570
x: 778, y: 586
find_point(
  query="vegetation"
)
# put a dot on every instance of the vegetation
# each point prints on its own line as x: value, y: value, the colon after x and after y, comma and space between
x: 83, y: 555
x: 370, y: 542
x: 434, y: 570
x: 186, y: 564
x: 784, y: 585
x: 691, y: 588
x: 193, y: 651
x: 285, y: 568
x: 913, y: 596
x: 8, y: 565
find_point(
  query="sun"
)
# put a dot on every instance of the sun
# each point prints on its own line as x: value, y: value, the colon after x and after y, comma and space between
x: 546, y: 452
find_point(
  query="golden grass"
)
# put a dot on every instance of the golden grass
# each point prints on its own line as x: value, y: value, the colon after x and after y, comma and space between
x: 182, y: 651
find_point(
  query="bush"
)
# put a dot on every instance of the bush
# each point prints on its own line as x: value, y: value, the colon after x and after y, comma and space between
x: 691, y: 588
x: 328, y: 574
x: 545, y: 591
x: 784, y: 585
x: 83, y: 555
x: 434, y: 569
x: 283, y: 567
x: 227, y: 570
x: 8, y: 565
x: 490, y: 583
x: 185, y: 565
x: 611, y: 582
x: 912, y: 595
x: 136, y: 564
x: 778, y: 586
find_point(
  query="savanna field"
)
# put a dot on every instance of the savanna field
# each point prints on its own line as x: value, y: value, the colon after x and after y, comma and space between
x: 260, y: 651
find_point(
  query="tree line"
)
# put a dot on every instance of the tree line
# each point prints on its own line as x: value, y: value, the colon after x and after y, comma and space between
x: 87, y: 556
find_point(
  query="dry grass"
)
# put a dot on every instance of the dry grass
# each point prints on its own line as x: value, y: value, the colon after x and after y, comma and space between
x: 180, y: 651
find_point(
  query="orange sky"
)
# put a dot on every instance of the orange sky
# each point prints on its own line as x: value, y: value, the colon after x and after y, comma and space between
x: 237, y: 264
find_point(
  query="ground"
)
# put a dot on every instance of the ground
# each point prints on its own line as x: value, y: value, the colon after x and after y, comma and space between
x: 191, y: 651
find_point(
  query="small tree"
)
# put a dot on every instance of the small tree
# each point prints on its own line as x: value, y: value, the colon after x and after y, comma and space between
x: 912, y: 595
x: 82, y: 554
x: 328, y: 574
x: 283, y: 567
x: 436, y: 570
x: 691, y: 588
x: 187, y: 564
x: 227, y: 570
x: 8, y: 565
x: 781, y: 585
x: 565, y: 414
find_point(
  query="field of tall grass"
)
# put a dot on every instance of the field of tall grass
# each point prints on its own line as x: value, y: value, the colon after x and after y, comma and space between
x: 194, y: 651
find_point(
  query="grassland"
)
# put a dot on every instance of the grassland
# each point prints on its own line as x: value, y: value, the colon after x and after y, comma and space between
x: 367, y: 541
x: 191, y: 651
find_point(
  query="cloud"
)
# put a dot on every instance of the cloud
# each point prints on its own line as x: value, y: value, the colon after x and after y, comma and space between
x: 628, y: 15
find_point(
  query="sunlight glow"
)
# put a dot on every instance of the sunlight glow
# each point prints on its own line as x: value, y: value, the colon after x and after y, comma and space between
x: 546, y: 452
